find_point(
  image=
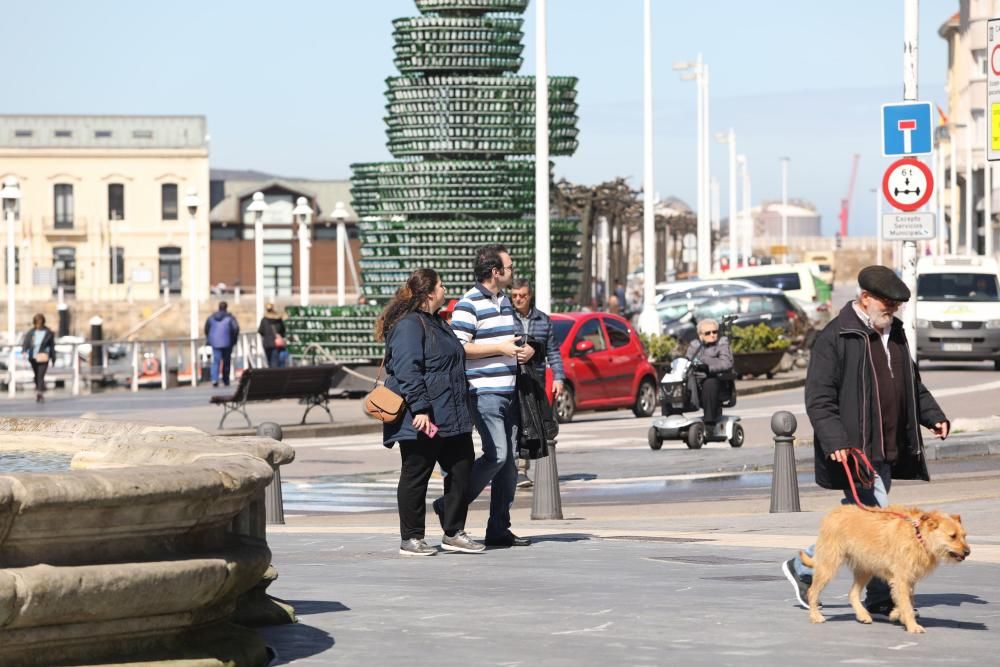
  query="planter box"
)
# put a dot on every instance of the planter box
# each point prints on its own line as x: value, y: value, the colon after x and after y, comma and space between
x: 757, y: 363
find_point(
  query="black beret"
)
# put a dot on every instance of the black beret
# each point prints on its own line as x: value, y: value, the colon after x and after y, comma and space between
x: 883, y: 281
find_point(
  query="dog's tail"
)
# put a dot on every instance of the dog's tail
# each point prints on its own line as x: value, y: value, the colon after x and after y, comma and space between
x: 807, y: 559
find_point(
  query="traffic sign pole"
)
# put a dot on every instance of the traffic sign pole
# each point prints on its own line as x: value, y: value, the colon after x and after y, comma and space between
x: 911, y: 24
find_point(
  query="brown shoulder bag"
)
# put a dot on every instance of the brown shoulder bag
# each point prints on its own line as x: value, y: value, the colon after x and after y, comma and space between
x: 383, y: 403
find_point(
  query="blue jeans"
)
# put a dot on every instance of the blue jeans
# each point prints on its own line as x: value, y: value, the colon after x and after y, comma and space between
x: 498, y: 419
x: 877, y: 496
x: 221, y: 356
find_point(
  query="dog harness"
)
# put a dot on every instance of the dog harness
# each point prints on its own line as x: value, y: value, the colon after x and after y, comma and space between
x: 865, y: 472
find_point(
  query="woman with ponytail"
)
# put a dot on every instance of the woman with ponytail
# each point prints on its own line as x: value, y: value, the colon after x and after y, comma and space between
x: 425, y: 364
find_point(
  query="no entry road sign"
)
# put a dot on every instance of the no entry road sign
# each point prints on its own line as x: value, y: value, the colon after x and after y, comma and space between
x: 907, y: 129
x: 907, y: 184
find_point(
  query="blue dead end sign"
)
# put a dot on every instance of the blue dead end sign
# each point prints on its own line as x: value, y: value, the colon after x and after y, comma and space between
x: 907, y: 129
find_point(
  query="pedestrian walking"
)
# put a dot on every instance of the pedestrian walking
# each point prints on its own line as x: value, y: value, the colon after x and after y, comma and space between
x: 39, y: 343
x: 537, y: 326
x: 222, y: 331
x: 425, y: 364
x: 272, y: 336
x: 864, y: 391
x: 484, y: 322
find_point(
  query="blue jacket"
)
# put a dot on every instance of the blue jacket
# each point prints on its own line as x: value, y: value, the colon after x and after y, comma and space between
x: 221, y: 329
x: 425, y: 364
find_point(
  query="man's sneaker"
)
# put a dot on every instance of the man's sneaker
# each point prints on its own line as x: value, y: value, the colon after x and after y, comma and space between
x: 800, y: 584
x: 462, y: 543
x: 415, y: 547
x: 438, y: 507
x: 523, y: 482
x: 885, y: 608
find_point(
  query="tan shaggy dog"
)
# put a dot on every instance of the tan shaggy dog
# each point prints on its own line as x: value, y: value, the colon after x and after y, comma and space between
x: 881, y: 543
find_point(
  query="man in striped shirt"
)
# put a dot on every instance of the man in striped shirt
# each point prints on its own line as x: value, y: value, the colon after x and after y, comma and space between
x: 484, y: 321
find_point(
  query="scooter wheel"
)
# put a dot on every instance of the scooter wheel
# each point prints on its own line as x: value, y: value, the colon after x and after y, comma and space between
x: 696, y: 435
x: 738, y: 436
x: 655, y: 441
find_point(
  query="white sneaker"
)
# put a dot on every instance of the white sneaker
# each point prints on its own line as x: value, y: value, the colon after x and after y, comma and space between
x: 462, y: 543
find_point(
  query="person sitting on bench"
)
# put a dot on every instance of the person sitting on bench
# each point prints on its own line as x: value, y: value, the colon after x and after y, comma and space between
x: 711, y: 355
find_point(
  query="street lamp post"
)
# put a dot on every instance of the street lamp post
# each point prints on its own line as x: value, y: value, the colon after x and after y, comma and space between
x: 303, y: 213
x: 10, y: 194
x: 697, y: 71
x: 730, y: 139
x: 340, y: 215
x: 191, y: 202
x: 257, y: 207
x: 543, y: 224
x: 784, y: 209
x: 746, y: 235
x: 649, y: 320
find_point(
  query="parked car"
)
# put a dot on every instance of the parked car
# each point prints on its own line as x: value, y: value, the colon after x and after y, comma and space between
x: 696, y: 288
x: 958, y: 309
x: 606, y: 365
x: 799, y: 281
x: 771, y: 306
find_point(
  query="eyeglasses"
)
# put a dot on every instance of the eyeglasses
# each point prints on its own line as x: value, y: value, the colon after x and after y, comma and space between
x: 710, y: 333
x: 519, y: 296
x: 509, y: 267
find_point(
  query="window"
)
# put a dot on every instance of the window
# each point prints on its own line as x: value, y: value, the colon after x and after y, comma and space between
x: 116, y: 201
x: 168, y: 199
x: 618, y: 332
x: 979, y: 64
x: 102, y: 134
x: 17, y: 265
x: 225, y: 233
x: 783, y: 281
x: 142, y: 134
x: 24, y: 134
x: 591, y: 331
x: 63, y: 206
x: 63, y: 134
x: 957, y: 287
x: 116, y: 270
x: 64, y: 263
x: 560, y: 329
x: 170, y: 269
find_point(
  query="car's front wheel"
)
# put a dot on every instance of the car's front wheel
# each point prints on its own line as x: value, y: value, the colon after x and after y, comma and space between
x: 565, y: 405
x: 645, y: 399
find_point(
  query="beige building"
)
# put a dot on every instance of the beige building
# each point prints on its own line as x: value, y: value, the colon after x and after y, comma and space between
x: 964, y: 124
x: 103, y: 213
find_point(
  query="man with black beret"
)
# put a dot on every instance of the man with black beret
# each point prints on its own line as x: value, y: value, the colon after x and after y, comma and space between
x: 864, y: 391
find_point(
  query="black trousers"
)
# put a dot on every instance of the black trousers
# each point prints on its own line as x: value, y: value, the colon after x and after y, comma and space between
x: 710, y: 403
x: 39, y: 369
x: 456, y: 455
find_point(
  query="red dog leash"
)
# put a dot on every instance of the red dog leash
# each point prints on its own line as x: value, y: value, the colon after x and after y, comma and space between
x: 866, y: 474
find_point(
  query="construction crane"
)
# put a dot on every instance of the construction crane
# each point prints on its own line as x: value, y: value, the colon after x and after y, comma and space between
x: 845, y: 203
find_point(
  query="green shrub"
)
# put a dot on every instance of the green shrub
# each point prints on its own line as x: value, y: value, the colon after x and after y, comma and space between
x: 659, y: 348
x: 758, y: 338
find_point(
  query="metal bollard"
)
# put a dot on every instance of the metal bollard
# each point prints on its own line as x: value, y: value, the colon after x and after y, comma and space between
x: 273, y: 504
x: 546, y: 502
x: 784, y: 479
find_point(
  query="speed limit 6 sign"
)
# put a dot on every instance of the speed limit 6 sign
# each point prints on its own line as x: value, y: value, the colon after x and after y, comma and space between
x: 907, y: 184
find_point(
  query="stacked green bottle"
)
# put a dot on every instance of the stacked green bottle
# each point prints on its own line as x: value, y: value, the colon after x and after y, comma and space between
x: 461, y: 125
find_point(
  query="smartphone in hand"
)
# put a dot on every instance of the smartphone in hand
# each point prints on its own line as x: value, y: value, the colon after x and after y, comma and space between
x: 432, y: 429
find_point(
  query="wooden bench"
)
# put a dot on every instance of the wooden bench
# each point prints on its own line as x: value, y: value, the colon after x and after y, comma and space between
x: 309, y: 383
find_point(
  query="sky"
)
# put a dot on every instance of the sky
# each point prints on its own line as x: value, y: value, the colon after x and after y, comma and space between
x: 296, y: 88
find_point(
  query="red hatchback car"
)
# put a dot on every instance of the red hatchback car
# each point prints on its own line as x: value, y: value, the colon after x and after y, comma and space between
x: 606, y: 367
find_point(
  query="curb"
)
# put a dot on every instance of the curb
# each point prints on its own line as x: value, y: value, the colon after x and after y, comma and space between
x: 315, y: 430
x: 778, y: 385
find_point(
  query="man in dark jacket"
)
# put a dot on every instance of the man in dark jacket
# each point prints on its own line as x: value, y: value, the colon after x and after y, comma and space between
x: 864, y: 391
x: 222, y: 331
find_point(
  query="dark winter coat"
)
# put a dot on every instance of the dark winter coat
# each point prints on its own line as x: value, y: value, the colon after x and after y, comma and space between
x: 269, y: 328
x: 48, y: 344
x: 221, y: 329
x: 842, y: 401
x: 425, y: 364
x: 539, y: 427
x: 718, y: 358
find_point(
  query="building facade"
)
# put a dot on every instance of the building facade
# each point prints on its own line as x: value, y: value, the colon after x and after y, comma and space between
x: 102, y: 214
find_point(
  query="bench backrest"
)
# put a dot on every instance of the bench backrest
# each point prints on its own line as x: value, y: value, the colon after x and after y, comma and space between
x: 264, y: 384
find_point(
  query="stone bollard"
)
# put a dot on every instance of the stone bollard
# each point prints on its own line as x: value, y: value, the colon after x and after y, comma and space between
x: 273, y: 504
x: 784, y: 479
x: 545, y: 502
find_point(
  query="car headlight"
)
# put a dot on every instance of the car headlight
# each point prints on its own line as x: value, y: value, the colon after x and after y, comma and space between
x: 993, y: 324
x: 923, y: 324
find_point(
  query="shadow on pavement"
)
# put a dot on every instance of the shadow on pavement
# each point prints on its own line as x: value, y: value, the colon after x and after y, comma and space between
x: 945, y: 600
x: 295, y: 642
x: 310, y: 607
x: 562, y: 537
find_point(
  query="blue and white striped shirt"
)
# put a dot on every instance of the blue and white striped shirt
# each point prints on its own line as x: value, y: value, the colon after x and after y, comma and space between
x: 484, y: 318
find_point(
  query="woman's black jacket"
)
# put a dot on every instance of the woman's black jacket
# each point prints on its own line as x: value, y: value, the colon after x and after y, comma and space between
x: 425, y: 364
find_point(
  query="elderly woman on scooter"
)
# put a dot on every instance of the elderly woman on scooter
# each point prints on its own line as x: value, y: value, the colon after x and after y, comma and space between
x: 711, y: 355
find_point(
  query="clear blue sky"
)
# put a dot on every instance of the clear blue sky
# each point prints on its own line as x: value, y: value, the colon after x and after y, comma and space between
x: 295, y: 88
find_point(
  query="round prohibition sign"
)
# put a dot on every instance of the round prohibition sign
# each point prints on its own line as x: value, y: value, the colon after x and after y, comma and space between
x: 907, y: 184
x: 995, y: 60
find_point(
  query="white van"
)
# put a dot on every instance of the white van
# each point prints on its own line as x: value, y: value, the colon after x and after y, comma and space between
x: 958, y: 309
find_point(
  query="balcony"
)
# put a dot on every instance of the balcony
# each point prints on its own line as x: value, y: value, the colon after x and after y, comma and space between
x: 74, y: 228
